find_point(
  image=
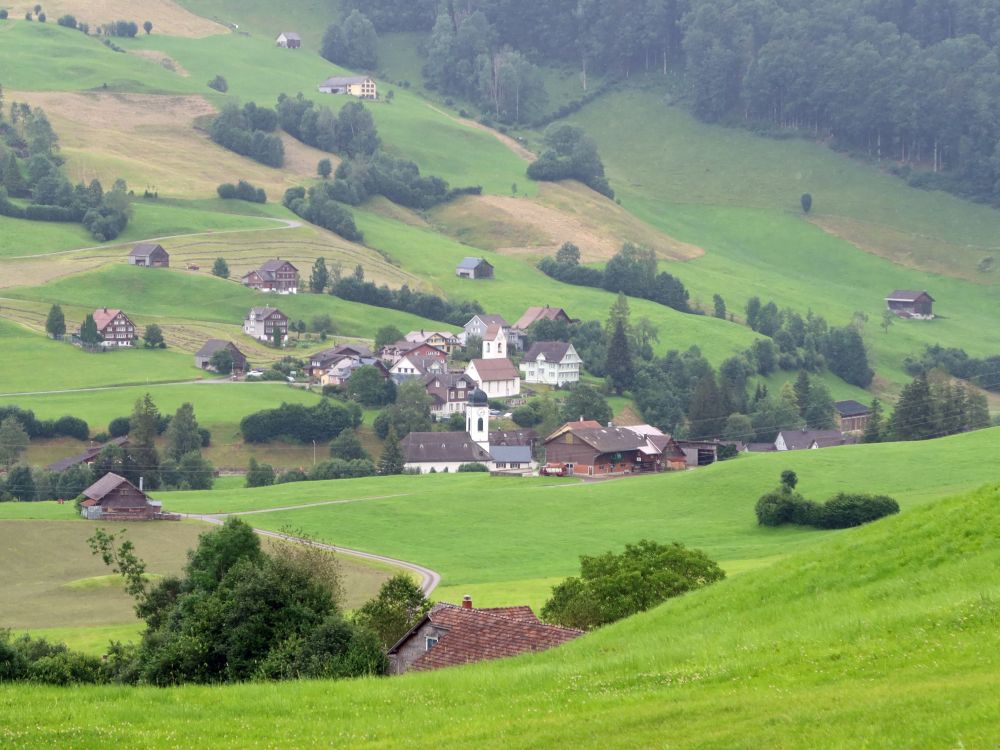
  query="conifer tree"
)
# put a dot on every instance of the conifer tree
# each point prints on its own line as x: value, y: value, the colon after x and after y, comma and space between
x: 55, y: 324
x: 142, y: 432
x: 873, y: 430
x: 620, y: 367
x: 89, y: 335
x: 392, y: 460
x: 706, y: 413
x: 220, y: 268
x: 319, y: 278
x: 802, y: 391
x: 913, y: 418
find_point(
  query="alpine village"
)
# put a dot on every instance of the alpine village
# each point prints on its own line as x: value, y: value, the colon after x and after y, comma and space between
x: 438, y: 373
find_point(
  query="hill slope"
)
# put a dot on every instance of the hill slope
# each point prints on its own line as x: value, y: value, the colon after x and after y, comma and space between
x: 885, y: 636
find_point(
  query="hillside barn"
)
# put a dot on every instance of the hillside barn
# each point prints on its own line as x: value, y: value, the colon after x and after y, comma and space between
x: 474, y: 268
x: 288, y: 40
x: 114, y: 498
x: 910, y: 304
x: 149, y: 255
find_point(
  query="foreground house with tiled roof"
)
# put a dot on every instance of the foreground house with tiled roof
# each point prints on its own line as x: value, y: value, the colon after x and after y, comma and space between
x: 449, y: 636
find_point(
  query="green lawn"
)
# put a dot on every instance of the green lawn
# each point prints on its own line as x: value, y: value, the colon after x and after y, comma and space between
x: 883, y: 636
x: 469, y: 525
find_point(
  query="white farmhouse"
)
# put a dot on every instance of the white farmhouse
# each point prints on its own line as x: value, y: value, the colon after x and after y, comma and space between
x: 552, y: 363
x: 497, y: 377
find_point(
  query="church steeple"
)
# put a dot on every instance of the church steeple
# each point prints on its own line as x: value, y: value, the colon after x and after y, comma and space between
x: 477, y: 418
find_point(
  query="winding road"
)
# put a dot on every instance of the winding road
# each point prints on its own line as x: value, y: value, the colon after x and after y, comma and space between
x: 429, y: 579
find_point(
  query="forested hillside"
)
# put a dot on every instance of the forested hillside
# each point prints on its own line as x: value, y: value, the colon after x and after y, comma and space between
x: 915, y: 81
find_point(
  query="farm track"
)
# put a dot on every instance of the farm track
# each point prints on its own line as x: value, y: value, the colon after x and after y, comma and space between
x: 429, y: 579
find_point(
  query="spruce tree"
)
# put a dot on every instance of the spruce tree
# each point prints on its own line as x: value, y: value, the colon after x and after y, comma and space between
x: 320, y: 277
x: 802, y: 392
x: 90, y: 337
x: 12, y: 179
x: 142, y: 433
x: 13, y: 441
x: 873, y: 430
x: 706, y: 413
x: 55, y: 324
x: 913, y: 418
x: 220, y: 268
x: 620, y: 367
x: 392, y: 460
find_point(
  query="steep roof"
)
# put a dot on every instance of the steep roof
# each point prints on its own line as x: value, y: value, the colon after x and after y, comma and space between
x: 490, y: 320
x: 471, y: 264
x: 212, y: 346
x: 495, y: 369
x: 578, y: 425
x: 907, y: 295
x: 145, y: 249
x: 611, y: 439
x: 534, y: 314
x: 291, y: 35
x: 104, y: 315
x: 105, y: 485
x: 797, y: 440
x: 473, y: 635
x: 518, y: 454
x: 87, y: 455
x: 851, y: 408
x: 553, y: 351
x: 450, y: 447
x: 263, y: 312
x: 512, y: 437
x: 344, y: 80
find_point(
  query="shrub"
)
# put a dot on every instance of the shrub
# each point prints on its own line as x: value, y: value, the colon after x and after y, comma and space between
x: 72, y: 427
x: 844, y: 510
x: 472, y: 468
x: 119, y: 426
x: 242, y: 191
x: 219, y: 84
x: 322, y: 422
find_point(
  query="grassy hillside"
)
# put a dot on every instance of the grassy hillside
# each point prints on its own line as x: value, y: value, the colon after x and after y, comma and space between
x: 469, y: 525
x: 884, y: 636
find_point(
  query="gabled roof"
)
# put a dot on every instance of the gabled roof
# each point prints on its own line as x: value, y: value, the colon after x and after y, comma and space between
x: 145, y: 249
x: 344, y: 80
x: 797, y: 440
x: 291, y: 35
x: 212, y: 346
x: 907, y: 295
x: 105, y: 485
x: 104, y: 315
x: 851, y: 408
x: 471, y: 264
x: 520, y: 454
x: 578, y: 425
x: 491, y: 320
x: 512, y: 437
x: 534, y: 314
x: 493, y: 332
x: 264, y: 312
x: 341, y: 350
x: 473, y: 635
x: 553, y: 351
x: 611, y: 439
x: 449, y: 447
x: 87, y: 455
x: 495, y: 369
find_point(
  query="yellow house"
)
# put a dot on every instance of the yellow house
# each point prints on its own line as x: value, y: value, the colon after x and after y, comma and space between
x: 362, y: 87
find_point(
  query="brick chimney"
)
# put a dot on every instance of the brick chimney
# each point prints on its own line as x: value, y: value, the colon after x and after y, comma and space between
x: 466, y: 602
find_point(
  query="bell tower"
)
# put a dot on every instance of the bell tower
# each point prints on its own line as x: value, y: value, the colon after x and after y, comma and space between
x: 477, y: 418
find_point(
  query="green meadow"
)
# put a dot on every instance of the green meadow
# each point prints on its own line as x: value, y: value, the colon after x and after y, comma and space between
x: 883, y: 636
x: 472, y: 529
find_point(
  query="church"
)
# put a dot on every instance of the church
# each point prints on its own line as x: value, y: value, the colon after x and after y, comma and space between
x: 440, y: 452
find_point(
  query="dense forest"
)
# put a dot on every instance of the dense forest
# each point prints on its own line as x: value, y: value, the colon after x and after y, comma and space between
x: 916, y: 82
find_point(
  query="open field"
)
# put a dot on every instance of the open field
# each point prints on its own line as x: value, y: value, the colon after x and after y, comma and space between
x: 881, y: 636
x: 168, y: 17
x: 470, y: 524
x: 262, y: 17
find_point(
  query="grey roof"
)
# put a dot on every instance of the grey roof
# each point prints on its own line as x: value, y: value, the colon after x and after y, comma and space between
x: 212, y: 346
x: 512, y: 437
x: 263, y: 312
x: 145, y: 249
x: 554, y: 351
x: 797, y: 440
x: 87, y: 455
x: 271, y: 267
x: 290, y: 35
x: 478, y: 397
x: 851, y: 408
x: 106, y: 484
x: 495, y: 369
x: 760, y: 447
x: 425, y: 447
x: 511, y: 453
x: 907, y: 295
x: 610, y: 439
x: 491, y: 320
x: 471, y: 264
x: 344, y: 80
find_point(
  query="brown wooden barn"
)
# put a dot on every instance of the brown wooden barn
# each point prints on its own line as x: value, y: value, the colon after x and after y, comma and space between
x: 114, y: 498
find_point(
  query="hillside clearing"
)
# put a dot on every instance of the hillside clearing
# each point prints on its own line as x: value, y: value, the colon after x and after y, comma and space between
x: 168, y: 17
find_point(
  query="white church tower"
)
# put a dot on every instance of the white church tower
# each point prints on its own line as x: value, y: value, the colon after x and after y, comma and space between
x: 477, y: 418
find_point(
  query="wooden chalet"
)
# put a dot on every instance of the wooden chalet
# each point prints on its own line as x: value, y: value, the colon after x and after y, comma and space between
x: 584, y: 449
x: 852, y: 416
x: 910, y: 304
x: 275, y: 275
x: 149, y: 255
x: 115, y: 328
x: 114, y: 498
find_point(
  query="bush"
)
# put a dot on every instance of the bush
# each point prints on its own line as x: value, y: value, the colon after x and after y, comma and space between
x: 242, y: 191
x: 472, y: 468
x: 219, y: 84
x: 322, y: 422
x: 119, y: 426
x: 844, y: 510
x: 72, y: 427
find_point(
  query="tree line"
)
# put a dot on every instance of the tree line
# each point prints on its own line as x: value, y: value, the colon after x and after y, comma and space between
x: 30, y: 165
x: 249, y: 131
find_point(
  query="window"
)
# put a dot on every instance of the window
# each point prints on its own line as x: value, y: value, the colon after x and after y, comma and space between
x: 430, y: 642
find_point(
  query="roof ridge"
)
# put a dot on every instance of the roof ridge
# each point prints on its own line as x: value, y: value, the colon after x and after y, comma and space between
x: 486, y: 611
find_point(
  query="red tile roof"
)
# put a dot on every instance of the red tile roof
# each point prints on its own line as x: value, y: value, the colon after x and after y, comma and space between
x: 103, y: 316
x: 480, y: 634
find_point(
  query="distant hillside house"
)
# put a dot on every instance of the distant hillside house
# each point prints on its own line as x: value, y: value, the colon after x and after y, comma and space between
x: 275, y: 275
x: 551, y: 362
x: 114, y: 498
x: 479, y: 324
x: 149, y: 255
x: 203, y: 358
x: 340, y: 371
x: 534, y: 314
x: 115, y: 328
x: 392, y: 353
x: 444, y: 340
x: 449, y: 392
x: 910, y: 304
x: 413, y: 366
x: 852, y: 416
x: 320, y: 362
x: 288, y: 40
x: 497, y: 377
x: 495, y: 343
x: 474, y: 268
x: 261, y: 322
x: 88, y: 456
x: 800, y: 440
x: 449, y: 636
x: 362, y: 87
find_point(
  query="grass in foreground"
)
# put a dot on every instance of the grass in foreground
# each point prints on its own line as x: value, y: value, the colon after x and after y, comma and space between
x: 884, y: 636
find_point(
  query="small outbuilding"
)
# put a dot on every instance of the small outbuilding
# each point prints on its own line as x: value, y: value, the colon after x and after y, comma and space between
x: 474, y: 268
x: 149, y: 255
x: 852, y: 416
x: 910, y: 304
x: 203, y: 359
x: 288, y: 40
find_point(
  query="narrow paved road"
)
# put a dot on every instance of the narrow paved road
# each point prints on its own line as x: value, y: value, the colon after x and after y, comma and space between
x: 429, y: 579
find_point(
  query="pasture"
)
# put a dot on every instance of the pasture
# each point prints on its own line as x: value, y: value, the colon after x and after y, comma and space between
x: 882, y: 636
